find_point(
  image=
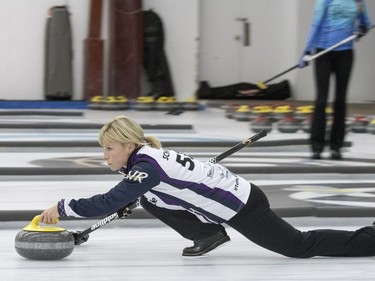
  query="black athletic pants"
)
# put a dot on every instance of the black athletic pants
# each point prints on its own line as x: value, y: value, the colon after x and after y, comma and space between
x: 185, y: 223
x: 260, y: 224
x: 340, y: 63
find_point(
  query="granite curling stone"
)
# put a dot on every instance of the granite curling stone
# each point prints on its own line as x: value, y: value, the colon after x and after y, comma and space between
x: 166, y: 103
x: 96, y: 102
x: 230, y: 109
x: 144, y: 103
x: 281, y: 111
x: 115, y: 103
x: 261, y: 123
x: 242, y: 113
x: 37, y: 242
x: 359, y: 124
x: 288, y: 124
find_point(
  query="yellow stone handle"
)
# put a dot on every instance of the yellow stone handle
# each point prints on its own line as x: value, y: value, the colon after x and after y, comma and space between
x: 34, y: 226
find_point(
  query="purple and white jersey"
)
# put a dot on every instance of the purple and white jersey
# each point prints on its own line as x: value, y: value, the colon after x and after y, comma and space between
x: 209, y: 191
x: 171, y: 180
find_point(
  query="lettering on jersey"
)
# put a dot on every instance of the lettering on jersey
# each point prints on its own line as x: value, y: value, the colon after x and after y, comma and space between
x: 222, y: 172
x: 153, y: 200
x: 136, y: 176
x: 166, y: 154
x: 237, y: 184
x: 185, y: 160
x: 210, y: 173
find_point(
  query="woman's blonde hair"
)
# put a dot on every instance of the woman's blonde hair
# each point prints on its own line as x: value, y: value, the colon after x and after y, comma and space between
x: 124, y: 130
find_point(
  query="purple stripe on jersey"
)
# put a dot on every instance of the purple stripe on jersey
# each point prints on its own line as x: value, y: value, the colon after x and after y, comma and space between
x: 219, y: 195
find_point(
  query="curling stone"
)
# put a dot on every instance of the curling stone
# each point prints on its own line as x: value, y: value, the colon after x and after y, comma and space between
x: 144, y: 103
x: 371, y: 127
x: 122, y: 103
x: 191, y: 104
x: 115, y: 103
x: 96, y: 102
x: 242, y: 113
x: 166, y: 103
x: 261, y: 122
x: 301, y: 112
x: 230, y: 109
x: 281, y: 111
x: 37, y: 242
x: 264, y: 110
x: 288, y: 124
x: 359, y: 124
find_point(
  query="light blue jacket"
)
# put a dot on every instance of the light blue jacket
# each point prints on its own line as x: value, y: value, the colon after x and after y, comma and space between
x: 334, y: 21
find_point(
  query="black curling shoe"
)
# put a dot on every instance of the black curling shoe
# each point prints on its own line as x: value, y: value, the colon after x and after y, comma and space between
x: 336, y: 155
x: 206, y: 245
x: 315, y: 155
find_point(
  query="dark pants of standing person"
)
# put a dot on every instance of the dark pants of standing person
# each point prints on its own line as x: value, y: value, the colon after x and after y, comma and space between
x: 261, y: 225
x: 340, y: 63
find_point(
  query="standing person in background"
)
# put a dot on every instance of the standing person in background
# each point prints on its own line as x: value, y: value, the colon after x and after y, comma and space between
x: 333, y: 21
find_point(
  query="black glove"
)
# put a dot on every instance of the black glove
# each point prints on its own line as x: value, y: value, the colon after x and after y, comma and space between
x: 362, y: 31
x: 127, y: 210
